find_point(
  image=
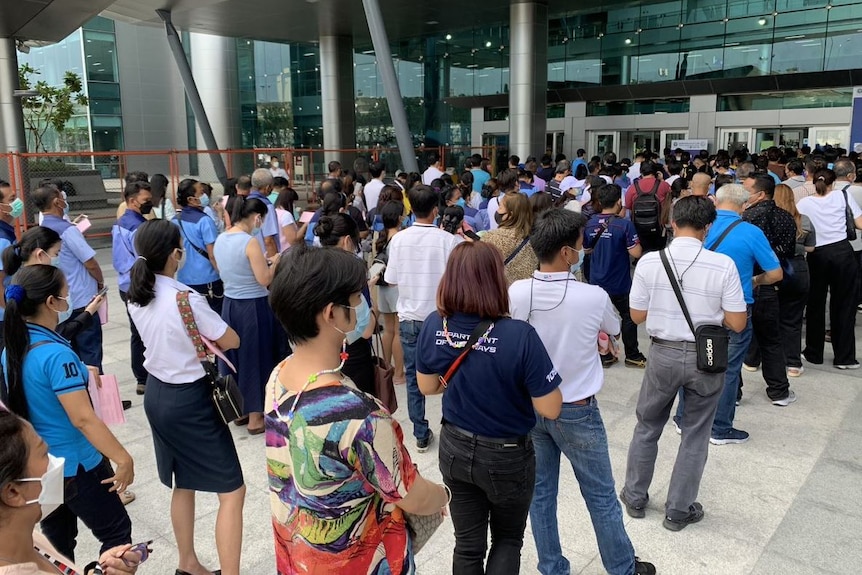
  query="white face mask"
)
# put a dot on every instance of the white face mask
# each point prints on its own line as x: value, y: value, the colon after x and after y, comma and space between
x: 52, y: 494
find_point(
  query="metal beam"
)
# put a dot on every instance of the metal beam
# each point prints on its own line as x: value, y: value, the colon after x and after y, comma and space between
x: 194, y: 96
x: 386, y: 68
x: 11, y: 115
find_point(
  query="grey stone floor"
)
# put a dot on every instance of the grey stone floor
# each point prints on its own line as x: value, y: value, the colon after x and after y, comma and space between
x: 787, y: 502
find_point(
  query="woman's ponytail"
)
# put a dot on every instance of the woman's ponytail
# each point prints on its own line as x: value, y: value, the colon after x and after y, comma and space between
x: 823, y: 180
x: 12, y: 260
x: 155, y: 241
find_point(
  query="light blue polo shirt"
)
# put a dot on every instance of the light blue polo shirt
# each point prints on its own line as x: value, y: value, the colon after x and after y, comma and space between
x: 123, y: 254
x: 198, y: 230
x: 74, y: 253
x: 50, y: 371
x: 7, y: 238
x: 745, y: 245
x: 480, y: 178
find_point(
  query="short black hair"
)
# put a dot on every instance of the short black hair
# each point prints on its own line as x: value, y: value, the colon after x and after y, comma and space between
x: 608, y: 195
x: 555, y: 229
x: 508, y: 180
x: 137, y: 176
x: 376, y: 168
x: 763, y: 183
x: 648, y: 168
x: 307, y: 280
x: 546, y: 160
x: 693, y: 212
x: 132, y: 189
x: 796, y: 166
x: 423, y: 200
x: 280, y: 182
x: 433, y: 158
x: 514, y: 160
x: 185, y: 191
x: 44, y: 195
x: 334, y: 165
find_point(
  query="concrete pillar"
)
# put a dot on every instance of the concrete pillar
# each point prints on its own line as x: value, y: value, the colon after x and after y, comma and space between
x: 337, y: 92
x: 528, y: 88
x: 12, y: 136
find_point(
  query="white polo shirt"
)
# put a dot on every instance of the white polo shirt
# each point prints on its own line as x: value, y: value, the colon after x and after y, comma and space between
x: 417, y: 260
x: 169, y: 354
x: 430, y: 175
x: 828, y: 214
x: 712, y: 287
x: 372, y: 193
x: 568, y: 316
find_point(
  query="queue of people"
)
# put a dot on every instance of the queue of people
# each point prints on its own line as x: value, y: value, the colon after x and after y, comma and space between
x: 465, y: 280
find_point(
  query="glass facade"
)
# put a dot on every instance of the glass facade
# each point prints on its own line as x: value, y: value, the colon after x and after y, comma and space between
x: 103, y: 87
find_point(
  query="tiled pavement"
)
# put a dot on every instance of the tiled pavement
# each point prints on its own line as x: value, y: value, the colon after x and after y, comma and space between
x: 787, y: 502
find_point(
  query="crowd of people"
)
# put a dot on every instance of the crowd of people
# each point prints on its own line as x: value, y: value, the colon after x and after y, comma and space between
x: 464, y: 275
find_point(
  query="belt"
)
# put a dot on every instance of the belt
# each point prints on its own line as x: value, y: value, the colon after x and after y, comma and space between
x: 495, y: 441
x: 681, y: 345
x: 584, y: 401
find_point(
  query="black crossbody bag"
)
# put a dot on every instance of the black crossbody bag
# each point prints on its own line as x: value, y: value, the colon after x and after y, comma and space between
x: 711, y: 341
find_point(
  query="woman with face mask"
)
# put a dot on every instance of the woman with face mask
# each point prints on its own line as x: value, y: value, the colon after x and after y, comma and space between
x: 363, y: 487
x: 47, y: 385
x: 340, y: 231
x: 41, y: 245
x: 514, y: 217
x: 246, y: 274
x: 178, y: 401
x: 31, y: 486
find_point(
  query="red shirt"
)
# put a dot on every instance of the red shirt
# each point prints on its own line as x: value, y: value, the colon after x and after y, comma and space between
x: 646, y: 185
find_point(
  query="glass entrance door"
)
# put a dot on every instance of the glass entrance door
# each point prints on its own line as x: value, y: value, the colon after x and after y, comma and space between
x: 604, y: 142
x: 668, y: 136
x: 732, y: 139
x: 554, y: 143
x: 634, y: 141
x: 829, y: 135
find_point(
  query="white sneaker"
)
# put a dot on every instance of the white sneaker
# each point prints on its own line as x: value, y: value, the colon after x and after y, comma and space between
x: 854, y: 365
x: 791, y: 398
x: 751, y: 368
x: 795, y: 371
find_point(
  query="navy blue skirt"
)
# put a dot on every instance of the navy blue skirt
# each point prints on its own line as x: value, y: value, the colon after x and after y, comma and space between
x: 194, y: 448
x: 261, y: 347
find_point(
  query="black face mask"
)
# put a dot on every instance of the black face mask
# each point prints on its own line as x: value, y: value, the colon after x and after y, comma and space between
x: 146, y: 208
x: 498, y: 217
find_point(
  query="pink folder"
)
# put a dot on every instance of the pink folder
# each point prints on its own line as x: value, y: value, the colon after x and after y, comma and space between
x: 83, y: 224
x: 103, y: 312
x: 106, y: 400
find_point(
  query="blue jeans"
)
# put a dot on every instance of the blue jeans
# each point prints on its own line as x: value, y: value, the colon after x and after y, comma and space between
x: 736, y: 351
x: 415, y: 400
x: 579, y: 434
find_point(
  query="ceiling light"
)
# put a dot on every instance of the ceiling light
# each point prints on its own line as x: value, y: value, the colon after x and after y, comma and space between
x: 488, y: 44
x: 448, y: 36
x: 432, y: 22
x: 628, y: 40
x: 762, y: 21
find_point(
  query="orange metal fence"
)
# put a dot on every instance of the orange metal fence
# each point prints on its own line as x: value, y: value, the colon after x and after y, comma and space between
x: 94, y: 181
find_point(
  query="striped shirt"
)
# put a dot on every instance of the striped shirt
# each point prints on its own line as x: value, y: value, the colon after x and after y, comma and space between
x: 417, y: 260
x: 711, y: 287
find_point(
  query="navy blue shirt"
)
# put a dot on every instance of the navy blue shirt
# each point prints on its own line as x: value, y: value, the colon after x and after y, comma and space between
x: 610, y: 266
x: 491, y: 392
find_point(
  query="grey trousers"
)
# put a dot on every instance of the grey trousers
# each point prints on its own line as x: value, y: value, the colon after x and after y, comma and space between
x: 669, y: 369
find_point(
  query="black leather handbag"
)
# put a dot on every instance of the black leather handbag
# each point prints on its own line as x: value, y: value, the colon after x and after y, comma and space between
x: 226, y: 395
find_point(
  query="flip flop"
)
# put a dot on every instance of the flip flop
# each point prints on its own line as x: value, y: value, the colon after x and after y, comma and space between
x: 127, y: 497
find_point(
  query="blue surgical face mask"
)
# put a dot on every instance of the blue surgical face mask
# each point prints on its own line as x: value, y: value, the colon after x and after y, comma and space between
x: 461, y: 203
x: 363, y: 318
x: 578, y: 264
x: 205, y: 200
x: 273, y: 197
x: 64, y: 315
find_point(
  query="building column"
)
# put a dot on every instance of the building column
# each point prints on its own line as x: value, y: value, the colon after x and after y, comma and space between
x: 337, y: 92
x: 528, y: 71
x: 12, y: 137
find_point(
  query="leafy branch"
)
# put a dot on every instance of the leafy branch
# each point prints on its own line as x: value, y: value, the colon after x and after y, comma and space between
x: 52, y: 107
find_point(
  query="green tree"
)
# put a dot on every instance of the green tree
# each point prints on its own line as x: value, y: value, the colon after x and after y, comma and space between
x: 52, y: 107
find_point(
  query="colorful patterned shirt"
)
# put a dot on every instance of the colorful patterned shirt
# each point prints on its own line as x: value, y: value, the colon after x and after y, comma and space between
x: 335, y: 473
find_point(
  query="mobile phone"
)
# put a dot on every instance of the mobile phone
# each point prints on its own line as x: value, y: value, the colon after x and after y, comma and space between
x: 376, y: 269
x: 103, y: 291
x: 306, y: 217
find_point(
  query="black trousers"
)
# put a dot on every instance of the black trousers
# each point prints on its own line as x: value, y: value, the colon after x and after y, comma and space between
x: 87, y: 499
x: 492, y: 486
x: 767, y: 343
x: 792, y: 298
x: 136, y: 345
x: 629, y: 328
x: 833, y: 268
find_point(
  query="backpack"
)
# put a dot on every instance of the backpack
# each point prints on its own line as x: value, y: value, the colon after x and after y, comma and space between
x: 646, y: 211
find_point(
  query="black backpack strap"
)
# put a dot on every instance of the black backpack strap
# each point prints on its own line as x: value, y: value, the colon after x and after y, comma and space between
x: 203, y: 253
x: 720, y: 239
x: 676, y: 290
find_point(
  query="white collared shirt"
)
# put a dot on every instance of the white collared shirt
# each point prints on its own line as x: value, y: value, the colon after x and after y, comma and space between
x: 169, y: 354
x: 711, y: 287
x: 568, y: 316
x: 417, y: 260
